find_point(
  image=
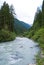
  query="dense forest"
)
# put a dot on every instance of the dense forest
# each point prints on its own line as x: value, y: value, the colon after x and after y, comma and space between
x: 20, y: 27
x: 6, y: 23
x: 10, y: 26
x: 36, y: 32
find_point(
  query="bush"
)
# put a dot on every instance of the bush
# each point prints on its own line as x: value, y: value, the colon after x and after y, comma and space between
x: 29, y: 34
x: 6, y: 35
x: 39, y: 36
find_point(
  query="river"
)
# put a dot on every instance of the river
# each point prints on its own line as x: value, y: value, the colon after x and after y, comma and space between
x: 21, y: 51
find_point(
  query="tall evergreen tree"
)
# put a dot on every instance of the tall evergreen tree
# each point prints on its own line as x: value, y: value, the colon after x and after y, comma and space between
x: 43, y: 14
x: 7, y: 17
x: 37, y: 20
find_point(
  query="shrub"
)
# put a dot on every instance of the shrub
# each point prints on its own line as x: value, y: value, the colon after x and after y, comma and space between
x: 6, y: 35
x: 39, y: 36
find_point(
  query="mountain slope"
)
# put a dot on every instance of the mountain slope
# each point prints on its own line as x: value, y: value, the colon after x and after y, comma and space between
x: 20, y: 26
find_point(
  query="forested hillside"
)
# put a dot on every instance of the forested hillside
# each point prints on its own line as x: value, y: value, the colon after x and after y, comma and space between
x: 10, y: 26
x: 20, y: 27
x: 36, y: 32
x: 6, y: 23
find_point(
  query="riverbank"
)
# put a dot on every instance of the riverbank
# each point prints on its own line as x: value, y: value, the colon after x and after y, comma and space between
x: 32, y: 64
x: 40, y: 59
x: 6, y: 35
x: 38, y: 36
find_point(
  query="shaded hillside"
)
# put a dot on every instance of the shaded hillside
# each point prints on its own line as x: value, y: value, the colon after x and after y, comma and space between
x: 20, y: 26
x: 36, y: 32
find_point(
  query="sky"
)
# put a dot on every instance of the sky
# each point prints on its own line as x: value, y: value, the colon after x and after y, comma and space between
x: 25, y: 9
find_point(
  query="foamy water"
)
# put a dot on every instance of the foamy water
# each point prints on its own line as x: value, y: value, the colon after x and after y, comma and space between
x: 21, y: 51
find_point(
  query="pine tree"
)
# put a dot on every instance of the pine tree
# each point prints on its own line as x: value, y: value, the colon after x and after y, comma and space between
x: 7, y: 17
x: 43, y: 14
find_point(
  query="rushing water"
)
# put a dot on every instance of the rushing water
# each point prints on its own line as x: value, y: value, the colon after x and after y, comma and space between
x: 21, y: 51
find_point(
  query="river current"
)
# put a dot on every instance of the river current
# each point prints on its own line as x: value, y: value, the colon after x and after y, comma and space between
x: 21, y: 51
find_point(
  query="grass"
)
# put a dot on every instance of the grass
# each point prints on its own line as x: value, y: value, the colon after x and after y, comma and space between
x: 39, y: 60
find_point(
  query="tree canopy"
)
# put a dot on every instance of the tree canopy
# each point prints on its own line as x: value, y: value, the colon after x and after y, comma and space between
x: 6, y: 17
x: 6, y: 23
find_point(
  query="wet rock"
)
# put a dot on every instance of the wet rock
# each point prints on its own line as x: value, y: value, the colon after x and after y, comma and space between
x: 21, y: 46
x: 31, y: 47
x: 36, y: 45
x: 16, y: 58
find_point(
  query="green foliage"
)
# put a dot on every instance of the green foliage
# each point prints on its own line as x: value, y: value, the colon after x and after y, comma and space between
x: 36, y: 32
x: 38, y: 20
x: 39, y: 60
x: 39, y: 36
x: 26, y: 34
x: 6, y: 17
x: 43, y: 14
x: 20, y: 27
x: 6, y: 35
x: 29, y: 34
x: 6, y: 23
